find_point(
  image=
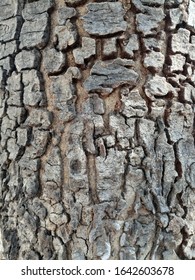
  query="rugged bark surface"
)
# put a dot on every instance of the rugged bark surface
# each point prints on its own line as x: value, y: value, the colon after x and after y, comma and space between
x: 97, y: 148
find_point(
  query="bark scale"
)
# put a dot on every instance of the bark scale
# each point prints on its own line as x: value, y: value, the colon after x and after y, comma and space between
x: 97, y: 148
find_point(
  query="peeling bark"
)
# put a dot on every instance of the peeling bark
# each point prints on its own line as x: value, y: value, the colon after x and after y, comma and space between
x: 97, y: 129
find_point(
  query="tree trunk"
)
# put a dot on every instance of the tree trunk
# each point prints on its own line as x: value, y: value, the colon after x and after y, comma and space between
x: 97, y: 129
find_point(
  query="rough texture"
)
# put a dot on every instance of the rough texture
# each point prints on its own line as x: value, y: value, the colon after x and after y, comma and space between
x: 87, y: 50
x: 97, y: 155
x: 105, y: 76
x: 104, y: 18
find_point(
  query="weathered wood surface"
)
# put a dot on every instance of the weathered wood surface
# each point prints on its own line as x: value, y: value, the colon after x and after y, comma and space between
x: 97, y: 149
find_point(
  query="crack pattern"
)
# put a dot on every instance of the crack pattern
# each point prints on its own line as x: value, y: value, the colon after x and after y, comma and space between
x: 97, y: 129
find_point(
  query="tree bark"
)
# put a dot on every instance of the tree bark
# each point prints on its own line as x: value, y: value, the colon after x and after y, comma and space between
x: 97, y: 129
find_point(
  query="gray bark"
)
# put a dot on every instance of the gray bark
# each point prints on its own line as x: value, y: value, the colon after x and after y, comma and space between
x: 97, y: 149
